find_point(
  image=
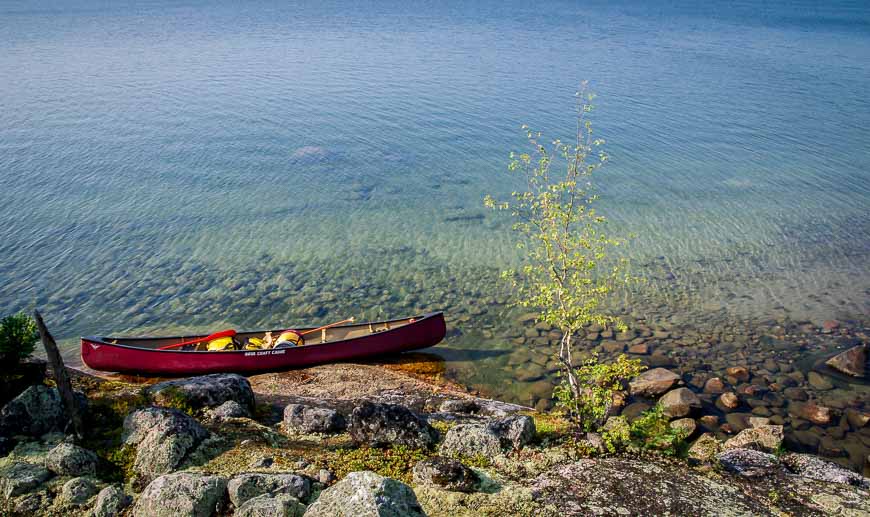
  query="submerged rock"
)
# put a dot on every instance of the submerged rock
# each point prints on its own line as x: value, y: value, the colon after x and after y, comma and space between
x: 810, y: 411
x: 446, y: 473
x: 366, y: 493
x: 851, y: 362
x: 813, y: 467
x: 163, y: 438
x: 36, y: 411
x: 714, y: 386
x: 686, y: 426
x: 205, y: 391
x: 71, y: 460
x: 182, y: 494
x: 470, y: 440
x: 653, y: 382
x: 390, y: 424
x: 679, y: 402
x: 247, y: 486
x: 819, y: 382
x: 281, y: 505
x: 765, y: 438
x: 310, y: 419
x: 748, y: 462
x: 728, y: 401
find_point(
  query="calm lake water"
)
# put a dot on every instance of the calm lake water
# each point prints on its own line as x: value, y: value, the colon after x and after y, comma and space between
x: 195, y: 165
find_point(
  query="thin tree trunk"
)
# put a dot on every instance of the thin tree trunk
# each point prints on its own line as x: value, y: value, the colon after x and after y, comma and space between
x: 567, y: 364
x: 64, y: 387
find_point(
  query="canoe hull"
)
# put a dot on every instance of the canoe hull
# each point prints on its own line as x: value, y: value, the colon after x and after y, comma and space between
x: 99, y: 354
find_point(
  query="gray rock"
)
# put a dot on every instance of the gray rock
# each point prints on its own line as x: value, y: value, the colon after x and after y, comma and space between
x: 625, y: 486
x: 446, y: 473
x: 390, y: 424
x: 679, y: 402
x: 514, y: 432
x: 364, y: 494
x: 77, y: 492
x: 163, y: 438
x: 851, y: 362
x: 229, y: 409
x: 71, y: 460
x: 686, y: 426
x: 814, y: 467
x: 20, y: 478
x: 748, y: 462
x: 470, y: 440
x: 459, y: 406
x: 110, y: 502
x: 36, y: 411
x: 182, y: 494
x: 247, y: 486
x: 653, y: 382
x: 205, y: 391
x: 281, y: 505
x: 765, y: 438
x: 309, y: 419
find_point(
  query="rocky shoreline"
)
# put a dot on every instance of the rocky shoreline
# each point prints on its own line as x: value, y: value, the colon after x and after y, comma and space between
x: 366, y: 440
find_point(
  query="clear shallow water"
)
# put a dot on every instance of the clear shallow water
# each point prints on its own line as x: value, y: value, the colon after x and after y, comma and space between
x: 192, y: 165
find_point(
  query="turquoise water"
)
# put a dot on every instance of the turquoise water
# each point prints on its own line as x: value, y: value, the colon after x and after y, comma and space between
x: 169, y: 165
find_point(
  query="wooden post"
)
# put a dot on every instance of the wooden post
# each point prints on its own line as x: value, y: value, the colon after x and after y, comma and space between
x: 64, y: 387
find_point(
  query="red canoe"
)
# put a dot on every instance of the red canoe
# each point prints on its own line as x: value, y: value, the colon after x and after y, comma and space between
x: 355, y: 341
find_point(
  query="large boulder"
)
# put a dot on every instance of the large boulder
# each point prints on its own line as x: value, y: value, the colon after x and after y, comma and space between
x: 182, y: 494
x: 748, y: 462
x: 163, y: 438
x: 281, y: 505
x: 390, y: 424
x: 20, y: 478
x: 205, y: 391
x: 470, y: 440
x: 366, y: 494
x: 445, y: 473
x: 679, y: 402
x: 653, y: 383
x: 514, y: 432
x: 68, y: 459
x: 309, y: 419
x: 851, y: 362
x: 36, y: 411
x: 247, y: 486
x: 110, y: 502
x: 764, y: 438
x: 814, y: 467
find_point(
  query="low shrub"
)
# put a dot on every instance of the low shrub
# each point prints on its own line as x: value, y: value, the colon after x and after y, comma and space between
x: 18, y: 336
